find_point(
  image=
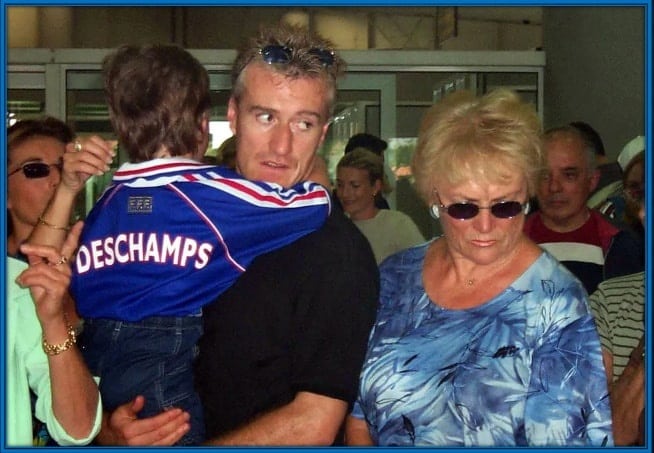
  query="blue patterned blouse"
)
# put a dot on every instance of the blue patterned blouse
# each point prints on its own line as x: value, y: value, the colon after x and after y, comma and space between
x: 525, y: 368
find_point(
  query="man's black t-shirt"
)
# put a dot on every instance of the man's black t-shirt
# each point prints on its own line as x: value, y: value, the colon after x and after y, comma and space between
x: 297, y: 320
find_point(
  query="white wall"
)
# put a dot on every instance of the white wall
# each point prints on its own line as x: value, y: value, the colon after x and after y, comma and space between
x: 595, y: 70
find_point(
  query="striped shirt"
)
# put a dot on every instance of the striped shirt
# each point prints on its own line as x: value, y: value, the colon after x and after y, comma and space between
x: 582, y: 250
x: 618, y: 306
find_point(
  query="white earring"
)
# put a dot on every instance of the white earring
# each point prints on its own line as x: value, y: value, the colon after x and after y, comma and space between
x: 435, y: 211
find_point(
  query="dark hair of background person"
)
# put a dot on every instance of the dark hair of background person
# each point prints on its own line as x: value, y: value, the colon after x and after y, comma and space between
x: 591, y: 136
x: 377, y: 146
x: 367, y: 141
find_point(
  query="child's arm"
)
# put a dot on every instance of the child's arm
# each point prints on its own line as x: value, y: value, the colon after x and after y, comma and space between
x: 82, y: 159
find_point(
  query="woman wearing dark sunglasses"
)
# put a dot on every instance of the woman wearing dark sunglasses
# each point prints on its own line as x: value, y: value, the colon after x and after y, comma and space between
x: 481, y: 338
x: 35, y: 149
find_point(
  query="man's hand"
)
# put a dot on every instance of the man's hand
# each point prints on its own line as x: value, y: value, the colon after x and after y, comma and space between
x: 628, y: 399
x: 123, y: 427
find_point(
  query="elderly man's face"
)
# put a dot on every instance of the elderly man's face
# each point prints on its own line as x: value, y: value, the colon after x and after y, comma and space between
x: 566, y: 185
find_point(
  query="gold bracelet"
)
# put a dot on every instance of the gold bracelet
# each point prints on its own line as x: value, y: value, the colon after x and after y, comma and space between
x: 42, y: 221
x: 56, y: 349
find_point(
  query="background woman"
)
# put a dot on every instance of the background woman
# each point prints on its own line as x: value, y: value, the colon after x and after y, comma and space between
x: 35, y: 150
x: 481, y: 338
x: 359, y: 183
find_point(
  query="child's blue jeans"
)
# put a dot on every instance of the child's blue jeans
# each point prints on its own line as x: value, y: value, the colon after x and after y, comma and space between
x: 154, y: 358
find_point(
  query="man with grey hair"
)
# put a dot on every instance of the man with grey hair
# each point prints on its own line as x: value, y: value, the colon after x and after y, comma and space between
x: 576, y: 235
x: 281, y: 353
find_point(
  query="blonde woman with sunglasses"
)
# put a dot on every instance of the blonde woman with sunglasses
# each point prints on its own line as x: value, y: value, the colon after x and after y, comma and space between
x: 482, y: 338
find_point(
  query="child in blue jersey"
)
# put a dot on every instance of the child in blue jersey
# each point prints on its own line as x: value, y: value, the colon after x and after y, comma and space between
x: 169, y: 233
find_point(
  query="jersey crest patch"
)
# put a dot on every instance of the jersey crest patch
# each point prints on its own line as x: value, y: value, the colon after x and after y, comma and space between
x: 139, y: 205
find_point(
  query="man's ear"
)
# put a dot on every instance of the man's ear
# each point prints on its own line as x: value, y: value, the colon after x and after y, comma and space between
x: 594, y: 179
x: 232, y: 114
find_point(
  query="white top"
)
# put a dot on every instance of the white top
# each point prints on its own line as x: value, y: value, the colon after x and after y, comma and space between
x: 389, y: 232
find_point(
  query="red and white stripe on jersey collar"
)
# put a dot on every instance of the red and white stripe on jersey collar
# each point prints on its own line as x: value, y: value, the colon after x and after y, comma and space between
x: 157, y: 167
x: 158, y: 173
x: 255, y: 194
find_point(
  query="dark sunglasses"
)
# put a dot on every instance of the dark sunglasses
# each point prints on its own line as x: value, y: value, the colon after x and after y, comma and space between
x: 35, y: 170
x: 501, y: 210
x: 278, y: 54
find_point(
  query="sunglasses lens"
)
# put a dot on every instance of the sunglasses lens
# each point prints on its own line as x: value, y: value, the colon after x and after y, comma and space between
x: 324, y: 56
x: 463, y: 211
x: 36, y: 170
x: 506, y: 209
x: 274, y: 54
x: 503, y: 210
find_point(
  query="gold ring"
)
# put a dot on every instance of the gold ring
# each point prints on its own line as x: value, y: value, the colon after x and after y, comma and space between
x: 61, y: 261
x: 78, y: 146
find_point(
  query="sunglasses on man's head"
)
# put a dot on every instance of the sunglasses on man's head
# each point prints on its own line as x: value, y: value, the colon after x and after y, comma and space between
x: 278, y: 54
x: 35, y: 170
x: 501, y: 210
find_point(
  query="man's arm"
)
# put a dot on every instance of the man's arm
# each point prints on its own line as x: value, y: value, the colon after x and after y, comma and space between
x: 357, y: 433
x: 628, y: 400
x: 607, y: 358
x: 94, y: 158
x: 310, y: 419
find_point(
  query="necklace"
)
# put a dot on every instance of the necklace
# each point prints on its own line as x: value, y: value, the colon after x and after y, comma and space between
x: 471, y: 281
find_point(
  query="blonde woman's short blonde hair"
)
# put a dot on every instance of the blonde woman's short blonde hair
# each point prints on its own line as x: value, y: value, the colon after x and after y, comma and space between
x: 486, y: 138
